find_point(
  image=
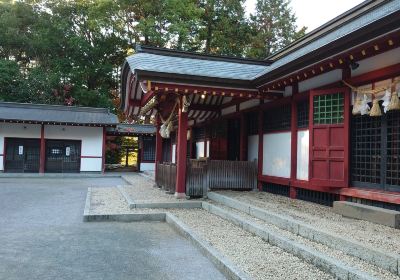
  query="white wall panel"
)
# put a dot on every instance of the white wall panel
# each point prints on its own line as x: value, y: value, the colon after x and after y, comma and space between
x: 228, y: 110
x: 147, y: 166
x: 379, y: 61
x: 173, y: 153
x: 320, y: 80
x: 249, y: 104
x: 252, y: 148
x: 199, y: 149
x: 302, y: 154
x: 208, y: 149
x: 91, y: 164
x: 276, y: 154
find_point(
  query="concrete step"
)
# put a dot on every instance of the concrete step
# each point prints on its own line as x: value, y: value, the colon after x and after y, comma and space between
x: 370, y: 256
x: 372, y: 214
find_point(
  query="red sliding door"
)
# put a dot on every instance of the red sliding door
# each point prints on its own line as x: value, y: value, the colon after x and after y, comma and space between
x: 329, y: 138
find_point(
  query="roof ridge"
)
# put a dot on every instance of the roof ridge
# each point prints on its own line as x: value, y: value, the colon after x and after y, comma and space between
x: 54, y: 107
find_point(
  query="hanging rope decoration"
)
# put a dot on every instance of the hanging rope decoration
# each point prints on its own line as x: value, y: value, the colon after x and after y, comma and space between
x: 186, y: 100
x: 150, y: 105
x: 363, y: 96
x: 167, y: 126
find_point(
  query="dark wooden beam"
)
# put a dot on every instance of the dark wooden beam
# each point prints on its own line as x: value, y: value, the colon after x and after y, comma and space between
x: 204, y: 107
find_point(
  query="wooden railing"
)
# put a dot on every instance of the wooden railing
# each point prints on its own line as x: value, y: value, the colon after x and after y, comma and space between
x: 204, y: 175
x: 166, y: 176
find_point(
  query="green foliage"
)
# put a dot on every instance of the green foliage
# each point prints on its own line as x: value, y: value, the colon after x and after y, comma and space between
x: 69, y: 52
x: 273, y: 26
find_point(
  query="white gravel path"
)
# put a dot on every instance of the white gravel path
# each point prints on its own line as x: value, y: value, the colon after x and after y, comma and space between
x: 370, y: 234
x: 372, y: 270
x: 142, y: 190
x: 250, y: 253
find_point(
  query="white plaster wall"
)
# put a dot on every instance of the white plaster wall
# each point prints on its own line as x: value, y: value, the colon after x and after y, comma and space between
x: 147, y: 166
x: 92, y: 142
x: 252, y: 148
x: 199, y: 149
x: 228, y: 110
x: 173, y: 153
x: 302, y: 154
x: 379, y: 61
x: 320, y: 80
x: 208, y: 149
x: 249, y: 104
x: 276, y: 154
x: 16, y: 130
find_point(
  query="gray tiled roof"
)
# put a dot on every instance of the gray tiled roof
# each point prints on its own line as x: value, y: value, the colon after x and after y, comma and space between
x: 40, y: 113
x: 134, y: 129
x: 193, y: 66
x: 353, y: 25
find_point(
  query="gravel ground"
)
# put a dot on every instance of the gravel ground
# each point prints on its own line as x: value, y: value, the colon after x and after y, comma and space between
x: 339, y: 255
x: 370, y: 234
x: 250, y: 253
x: 142, y: 190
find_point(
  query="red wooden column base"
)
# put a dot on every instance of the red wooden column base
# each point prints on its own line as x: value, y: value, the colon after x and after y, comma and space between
x: 42, y: 150
x: 292, y: 193
x: 181, y: 149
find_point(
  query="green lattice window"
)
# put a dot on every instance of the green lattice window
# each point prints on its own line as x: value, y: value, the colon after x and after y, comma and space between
x: 329, y: 108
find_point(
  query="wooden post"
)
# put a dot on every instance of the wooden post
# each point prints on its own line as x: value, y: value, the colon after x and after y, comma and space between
x: 260, y: 146
x: 243, y: 137
x: 181, y: 149
x: 293, y: 133
x: 42, y: 161
x: 158, y: 158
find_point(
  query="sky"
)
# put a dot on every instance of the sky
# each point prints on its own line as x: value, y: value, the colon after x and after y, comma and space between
x: 314, y: 13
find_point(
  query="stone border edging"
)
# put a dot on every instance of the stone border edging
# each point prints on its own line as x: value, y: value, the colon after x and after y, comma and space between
x: 86, y: 210
x: 325, y: 263
x: 223, y: 264
x: 376, y: 257
x: 227, y: 268
x: 163, y: 205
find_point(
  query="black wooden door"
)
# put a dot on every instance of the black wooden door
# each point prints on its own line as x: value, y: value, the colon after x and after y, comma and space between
x: 22, y: 155
x: 63, y: 156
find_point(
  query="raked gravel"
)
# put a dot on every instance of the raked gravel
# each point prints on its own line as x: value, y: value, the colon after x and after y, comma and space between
x: 142, y: 190
x: 322, y: 217
x: 250, y: 253
x: 350, y: 261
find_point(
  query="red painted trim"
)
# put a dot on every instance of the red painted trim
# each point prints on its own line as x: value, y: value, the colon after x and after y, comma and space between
x: 182, y: 151
x: 243, y: 137
x: 42, y: 160
x: 146, y: 98
x: 376, y: 75
x: 377, y: 195
x: 293, y: 136
x: 260, y: 145
x: 103, y: 152
x: 274, y: 180
x: 92, y: 157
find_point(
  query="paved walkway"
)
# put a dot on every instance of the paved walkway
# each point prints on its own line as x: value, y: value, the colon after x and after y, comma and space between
x: 42, y: 236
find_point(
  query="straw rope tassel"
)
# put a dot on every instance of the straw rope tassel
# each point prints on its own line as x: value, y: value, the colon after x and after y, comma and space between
x: 376, y: 109
x: 394, y: 102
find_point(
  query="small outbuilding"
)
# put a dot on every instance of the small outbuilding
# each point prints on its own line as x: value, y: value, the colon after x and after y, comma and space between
x: 37, y: 138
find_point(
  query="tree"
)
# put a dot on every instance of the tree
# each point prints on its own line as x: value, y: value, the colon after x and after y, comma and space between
x: 273, y: 26
x: 225, y: 30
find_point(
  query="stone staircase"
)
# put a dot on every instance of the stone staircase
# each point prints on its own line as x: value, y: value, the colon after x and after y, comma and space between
x: 340, y: 257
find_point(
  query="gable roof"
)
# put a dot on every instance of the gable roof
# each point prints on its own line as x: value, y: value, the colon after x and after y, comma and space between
x: 183, y: 63
x: 58, y: 114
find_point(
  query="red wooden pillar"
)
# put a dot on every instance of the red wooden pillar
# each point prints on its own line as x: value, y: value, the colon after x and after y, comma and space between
x: 181, y: 149
x: 243, y: 137
x: 42, y: 161
x: 103, y: 159
x: 293, y: 130
x: 260, y: 145
x: 158, y: 158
